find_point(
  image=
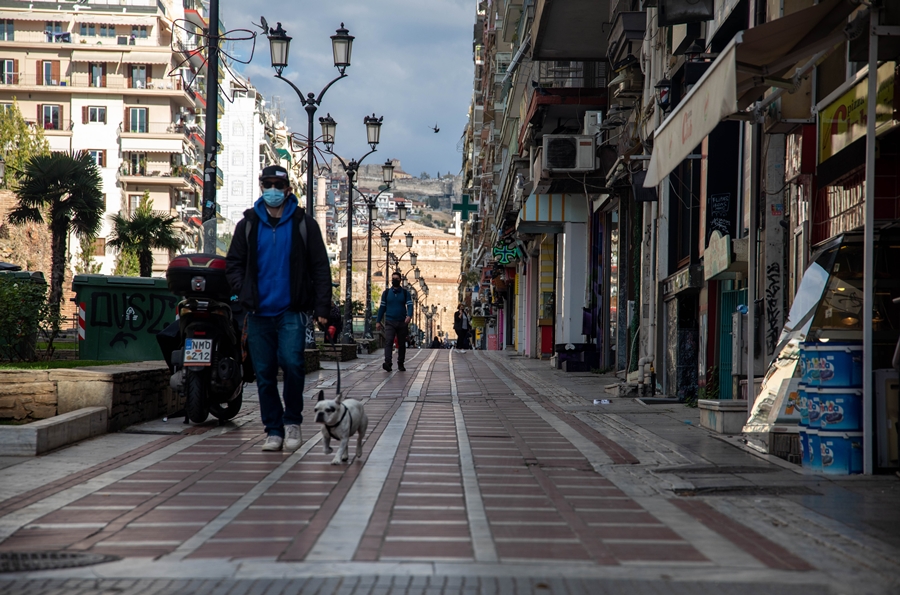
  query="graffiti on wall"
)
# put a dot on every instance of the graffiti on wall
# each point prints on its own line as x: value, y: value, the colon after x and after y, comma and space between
x: 773, y: 306
x: 131, y: 313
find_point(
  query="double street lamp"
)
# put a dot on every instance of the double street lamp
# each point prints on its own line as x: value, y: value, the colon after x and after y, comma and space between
x: 351, y: 168
x: 279, y: 47
x: 390, y: 258
x: 387, y: 176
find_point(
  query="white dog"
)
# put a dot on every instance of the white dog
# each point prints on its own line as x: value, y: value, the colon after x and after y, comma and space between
x: 340, y: 419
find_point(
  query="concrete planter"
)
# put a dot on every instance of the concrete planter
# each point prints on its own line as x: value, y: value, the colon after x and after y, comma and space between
x: 724, y: 417
x: 338, y: 353
x: 131, y: 393
x: 48, y: 434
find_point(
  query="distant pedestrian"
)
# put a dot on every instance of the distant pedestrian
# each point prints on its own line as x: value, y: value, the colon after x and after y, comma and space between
x: 462, y: 324
x: 436, y: 343
x: 396, y: 310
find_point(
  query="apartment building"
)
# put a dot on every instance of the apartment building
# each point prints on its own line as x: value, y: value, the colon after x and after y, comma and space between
x: 112, y: 80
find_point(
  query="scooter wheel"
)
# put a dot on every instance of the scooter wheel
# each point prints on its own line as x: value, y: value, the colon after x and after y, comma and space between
x: 226, y: 411
x: 195, y: 397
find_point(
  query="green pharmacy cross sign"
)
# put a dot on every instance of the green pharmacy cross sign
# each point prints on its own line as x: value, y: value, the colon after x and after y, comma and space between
x: 465, y: 207
x: 505, y: 253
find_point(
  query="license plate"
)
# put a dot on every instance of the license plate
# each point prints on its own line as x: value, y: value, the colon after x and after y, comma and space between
x: 197, y: 352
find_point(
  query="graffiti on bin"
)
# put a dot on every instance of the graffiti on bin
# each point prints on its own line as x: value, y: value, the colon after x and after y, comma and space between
x: 130, y: 312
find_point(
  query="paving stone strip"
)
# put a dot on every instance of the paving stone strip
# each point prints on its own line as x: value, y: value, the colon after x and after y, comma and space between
x: 482, y: 539
x: 341, y: 538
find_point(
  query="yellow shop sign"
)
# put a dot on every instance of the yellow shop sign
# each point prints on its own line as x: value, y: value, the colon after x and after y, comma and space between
x: 844, y: 120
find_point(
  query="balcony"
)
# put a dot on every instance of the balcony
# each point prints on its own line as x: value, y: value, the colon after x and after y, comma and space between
x: 142, y: 174
x: 153, y: 137
x: 573, y: 30
x: 511, y: 16
x: 171, y: 87
x: 566, y: 74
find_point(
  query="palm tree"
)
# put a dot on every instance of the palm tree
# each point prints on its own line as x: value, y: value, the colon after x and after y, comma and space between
x: 66, y: 189
x: 144, y: 231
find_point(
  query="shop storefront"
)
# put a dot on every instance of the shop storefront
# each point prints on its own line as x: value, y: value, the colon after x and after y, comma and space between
x: 832, y: 388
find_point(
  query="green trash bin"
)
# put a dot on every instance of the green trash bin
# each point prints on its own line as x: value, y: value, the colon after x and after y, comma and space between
x: 119, y: 317
x: 26, y: 349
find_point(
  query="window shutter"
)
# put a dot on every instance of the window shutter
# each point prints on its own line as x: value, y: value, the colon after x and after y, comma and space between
x: 54, y: 71
x: 84, y: 114
x: 103, y: 161
x: 128, y: 73
x: 40, y: 72
x: 103, y: 78
x: 15, y: 77
x: 149, y: 71
x: 127, y: 125
x: 40, y: 116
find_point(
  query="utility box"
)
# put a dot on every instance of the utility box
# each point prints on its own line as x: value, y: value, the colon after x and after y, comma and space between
x: 119, y: 317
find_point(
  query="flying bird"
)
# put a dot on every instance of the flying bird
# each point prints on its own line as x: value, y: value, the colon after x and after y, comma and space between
x: 435, y: 128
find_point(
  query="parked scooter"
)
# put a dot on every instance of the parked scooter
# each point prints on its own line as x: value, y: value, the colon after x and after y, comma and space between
x: 203, y: 346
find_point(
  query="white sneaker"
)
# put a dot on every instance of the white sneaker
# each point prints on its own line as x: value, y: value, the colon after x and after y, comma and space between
x: 273, y: 442
x: 292, y: 438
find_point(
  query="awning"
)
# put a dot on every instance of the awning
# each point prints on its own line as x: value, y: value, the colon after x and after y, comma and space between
x: 117, y: 19
x: 283, y: 154
x: 96, y: 56
x: 547, y: 213
x: 31, y: 16
x: 746, y: 68
x: 148, y: 58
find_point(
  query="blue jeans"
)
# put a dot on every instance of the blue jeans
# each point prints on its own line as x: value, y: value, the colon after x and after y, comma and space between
x: 278, y: 341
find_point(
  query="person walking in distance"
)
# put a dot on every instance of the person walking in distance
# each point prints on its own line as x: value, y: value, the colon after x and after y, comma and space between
x: 396, y: 310
x: 462, y: 325
x: 278, y: 267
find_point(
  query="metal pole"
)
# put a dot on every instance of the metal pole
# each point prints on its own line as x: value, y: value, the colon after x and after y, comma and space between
x: 368, y: 333
x: 210, y: 144
x: 869, y: 244
x: 752, y: 244
x: 348, y: 294
x: 310, y: 205
x: 310, y: 159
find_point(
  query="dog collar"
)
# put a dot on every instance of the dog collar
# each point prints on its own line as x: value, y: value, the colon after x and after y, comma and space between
x: 346, y: 412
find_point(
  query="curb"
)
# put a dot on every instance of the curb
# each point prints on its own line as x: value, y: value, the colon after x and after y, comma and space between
x: 48, y: 434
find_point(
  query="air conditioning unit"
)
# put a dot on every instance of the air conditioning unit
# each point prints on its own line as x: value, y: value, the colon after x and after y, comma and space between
x: 630, y: 88
x: 592, y: 121
x: 569, y: 152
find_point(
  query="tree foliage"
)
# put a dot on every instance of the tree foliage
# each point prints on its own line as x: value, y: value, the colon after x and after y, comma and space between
x: 85, y: 263
x: 142, y: 232
x: 63, y: 190
x: 24, y: 310
x: 19, y: 142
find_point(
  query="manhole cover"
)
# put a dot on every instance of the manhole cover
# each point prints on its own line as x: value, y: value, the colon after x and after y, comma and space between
x: 19, y: 561
x: 713, y: 470
x: 747, y: 491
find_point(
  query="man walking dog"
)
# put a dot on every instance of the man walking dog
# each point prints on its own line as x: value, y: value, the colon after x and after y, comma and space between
x: 278, y: 267
x: 396, y: 309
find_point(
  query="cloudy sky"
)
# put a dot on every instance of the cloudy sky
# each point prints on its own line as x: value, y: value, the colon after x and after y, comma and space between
x: 411, y: 63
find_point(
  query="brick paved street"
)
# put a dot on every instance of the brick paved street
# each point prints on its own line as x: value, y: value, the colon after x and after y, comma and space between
x: 482, y: 473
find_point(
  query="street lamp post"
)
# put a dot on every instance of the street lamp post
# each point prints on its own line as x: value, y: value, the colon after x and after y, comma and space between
x: 279, y: 46
x: 386, y: 242
x: 387, y: 176
x: 351, y: 168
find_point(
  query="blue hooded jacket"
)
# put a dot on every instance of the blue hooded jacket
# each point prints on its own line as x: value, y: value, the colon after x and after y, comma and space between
x: 273, y: 259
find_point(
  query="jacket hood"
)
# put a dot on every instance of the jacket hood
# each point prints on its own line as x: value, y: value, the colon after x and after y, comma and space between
x: 259, y: 207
